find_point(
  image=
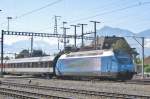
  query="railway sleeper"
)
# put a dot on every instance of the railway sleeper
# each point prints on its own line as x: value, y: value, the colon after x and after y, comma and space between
x: 15, y: 95
x: 32, y: 94
x: 78, y: 91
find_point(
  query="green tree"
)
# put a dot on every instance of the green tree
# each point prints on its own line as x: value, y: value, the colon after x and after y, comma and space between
x: 38, y: 53
x: 24, y: 53
x: 147, y: 68
x: 6, y: 58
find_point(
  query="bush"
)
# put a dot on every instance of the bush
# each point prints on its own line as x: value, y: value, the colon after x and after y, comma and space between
x: 147, y: 68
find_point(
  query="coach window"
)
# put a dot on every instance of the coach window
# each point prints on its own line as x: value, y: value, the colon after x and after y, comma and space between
x: 6, y: 65
x: 50, y: 64
x: 34, y: 65
x: 11, y: 65
x: 41, y: 64
x: 24, y: 65
x: 20, y: 65
x: 16, y: 65
x: 46, y: 64
x: 28, y: 64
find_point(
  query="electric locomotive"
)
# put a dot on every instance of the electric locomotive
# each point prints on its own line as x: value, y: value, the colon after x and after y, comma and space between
x: 95, y: 63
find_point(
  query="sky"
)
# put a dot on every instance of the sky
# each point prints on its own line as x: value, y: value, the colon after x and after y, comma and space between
x: 133, y: 18
x: 38, y: 15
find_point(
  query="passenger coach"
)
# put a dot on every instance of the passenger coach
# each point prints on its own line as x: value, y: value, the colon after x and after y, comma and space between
x: 33, y: 65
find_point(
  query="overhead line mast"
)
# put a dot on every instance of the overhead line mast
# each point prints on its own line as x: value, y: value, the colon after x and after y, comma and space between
x: 95, y: 35
x: 82, y: 25
x: 75, y: 34
x: 55, y: 29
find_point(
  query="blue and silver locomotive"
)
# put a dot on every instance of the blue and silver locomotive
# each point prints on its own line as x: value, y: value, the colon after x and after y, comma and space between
x: 95, y: 63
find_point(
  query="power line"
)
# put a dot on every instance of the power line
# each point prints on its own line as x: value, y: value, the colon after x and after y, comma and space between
x: 112, y: 11
x: 35, y: 10
x: 38, y: 9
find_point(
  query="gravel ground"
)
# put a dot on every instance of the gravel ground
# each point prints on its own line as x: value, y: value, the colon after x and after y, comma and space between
x: 117, y: 87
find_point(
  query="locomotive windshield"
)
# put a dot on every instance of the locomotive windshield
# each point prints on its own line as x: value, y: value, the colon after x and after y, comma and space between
x: 124, y: 60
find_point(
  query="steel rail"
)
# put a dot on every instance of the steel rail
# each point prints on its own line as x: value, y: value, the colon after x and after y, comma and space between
x: 26, y: 94
x: 76, y: 91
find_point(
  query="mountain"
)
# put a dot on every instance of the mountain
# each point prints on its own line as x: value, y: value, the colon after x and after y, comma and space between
x: 145, y: 33
x: 105, y: 31
x: 109, y: 31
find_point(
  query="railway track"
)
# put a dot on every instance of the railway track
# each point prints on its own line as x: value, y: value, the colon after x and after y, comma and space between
x: 66, y: 90
x: 19, y: 94
x: 139, y: 81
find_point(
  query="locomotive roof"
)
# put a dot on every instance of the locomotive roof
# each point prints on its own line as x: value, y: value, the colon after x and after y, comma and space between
x: 91, y: 53
x: 30, y: 59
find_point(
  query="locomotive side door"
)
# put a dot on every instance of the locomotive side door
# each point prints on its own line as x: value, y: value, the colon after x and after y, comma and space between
x: 106, y: 65
x: 108, y: 62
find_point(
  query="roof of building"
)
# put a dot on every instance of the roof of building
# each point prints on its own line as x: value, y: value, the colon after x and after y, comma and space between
x: 147, y: 60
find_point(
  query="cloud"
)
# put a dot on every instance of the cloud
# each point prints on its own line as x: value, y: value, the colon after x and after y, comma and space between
x: 10, y: 40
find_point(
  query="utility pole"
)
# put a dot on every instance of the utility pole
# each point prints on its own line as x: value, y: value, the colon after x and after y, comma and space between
x: 75, y: 34
x: 65, y: 42
x: 142, y: 45
x: 31, y: 45
x: 8, y: 18
x: 82, y: 25
x: 95, y: 22
x: 55, y: 29
x: 2, y: 52
x: 64, y: 33
x: 142, y: 57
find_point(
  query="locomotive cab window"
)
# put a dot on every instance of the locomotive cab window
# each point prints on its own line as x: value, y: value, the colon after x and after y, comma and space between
x: 124, y: 61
